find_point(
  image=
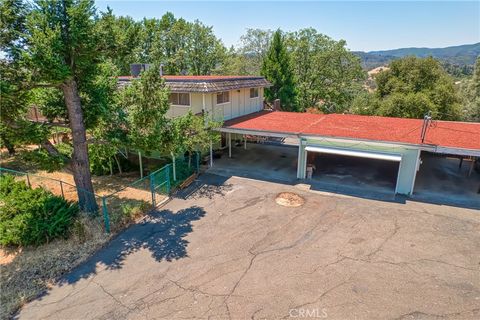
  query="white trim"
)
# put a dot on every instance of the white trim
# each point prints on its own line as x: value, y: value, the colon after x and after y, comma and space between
x: 216, y: 98
x: 367, y: 141
x: 429, y: 148
x: 257, y: 133
x: 359, y: 154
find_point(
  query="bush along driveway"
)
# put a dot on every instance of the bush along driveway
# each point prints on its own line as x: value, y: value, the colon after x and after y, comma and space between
x: 229, y: 251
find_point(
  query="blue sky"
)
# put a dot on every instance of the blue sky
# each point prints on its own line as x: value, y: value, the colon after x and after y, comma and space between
x: 365, y: 25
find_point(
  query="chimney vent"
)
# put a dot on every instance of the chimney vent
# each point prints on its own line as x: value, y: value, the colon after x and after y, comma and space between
x: 137, y: 68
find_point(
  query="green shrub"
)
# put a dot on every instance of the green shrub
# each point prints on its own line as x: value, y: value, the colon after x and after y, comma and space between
x: 43, y: 160
x: 65, y: 149
x: 32, y: 216
x: 102, y: 160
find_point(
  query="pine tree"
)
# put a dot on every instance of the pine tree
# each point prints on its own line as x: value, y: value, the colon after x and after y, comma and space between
x: 277, y: 69
x: 62, y: 49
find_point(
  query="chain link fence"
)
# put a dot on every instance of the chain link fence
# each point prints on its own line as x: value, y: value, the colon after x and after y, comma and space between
x: 132, y: 201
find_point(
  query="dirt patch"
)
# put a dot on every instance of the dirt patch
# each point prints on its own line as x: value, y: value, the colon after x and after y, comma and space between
x: 289, y: 199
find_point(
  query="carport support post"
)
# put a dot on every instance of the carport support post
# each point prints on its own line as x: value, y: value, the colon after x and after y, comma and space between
x: 472, y: 164
x: 229, y: 145
x: 245, y: 141
x: 302, y: 159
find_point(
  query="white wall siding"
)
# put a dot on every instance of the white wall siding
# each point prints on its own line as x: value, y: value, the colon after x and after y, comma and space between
x: 240, y: 104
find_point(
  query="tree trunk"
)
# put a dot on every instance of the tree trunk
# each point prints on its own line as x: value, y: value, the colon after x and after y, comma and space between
x: 118, y: 164
x: 10, y: 147
x: 80, y: 163
x: 47, y: 145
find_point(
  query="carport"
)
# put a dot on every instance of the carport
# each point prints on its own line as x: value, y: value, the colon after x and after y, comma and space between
x: 391, y: 145
x: 265, y: 155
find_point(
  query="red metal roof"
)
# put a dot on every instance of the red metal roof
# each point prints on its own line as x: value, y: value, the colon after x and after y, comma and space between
x: 464, y: 135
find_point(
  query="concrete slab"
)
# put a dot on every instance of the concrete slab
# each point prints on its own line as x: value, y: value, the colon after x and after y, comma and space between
x: 229, y: 251
x: 438, y: 181
x: 278, y: 163
x: 260, y: 161
x: 441, y: 181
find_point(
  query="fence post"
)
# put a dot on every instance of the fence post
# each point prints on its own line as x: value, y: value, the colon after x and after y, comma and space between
x: 167, y: 178
x: 61, y: 188
x: 28, y: 181
x: 174, y: 166
x: 105, y: 214
x: 152, y: 188
x: 197, y: 160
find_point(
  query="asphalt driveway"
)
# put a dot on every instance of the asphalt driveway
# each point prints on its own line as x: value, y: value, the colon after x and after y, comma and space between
x: 228, y: 251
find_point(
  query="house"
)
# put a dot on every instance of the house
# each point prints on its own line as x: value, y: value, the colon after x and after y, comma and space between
x: 223, y: 97
x: 399, y: 144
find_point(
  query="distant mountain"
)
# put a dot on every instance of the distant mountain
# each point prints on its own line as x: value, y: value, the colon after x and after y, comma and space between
x: 460, y: 56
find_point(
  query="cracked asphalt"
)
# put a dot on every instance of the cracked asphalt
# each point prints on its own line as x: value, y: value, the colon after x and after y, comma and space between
x: 228, y: 251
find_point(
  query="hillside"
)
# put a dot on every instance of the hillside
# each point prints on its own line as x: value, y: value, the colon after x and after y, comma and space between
x: 461, y: 56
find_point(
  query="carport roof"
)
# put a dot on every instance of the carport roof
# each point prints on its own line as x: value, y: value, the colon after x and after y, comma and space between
x: 447, y: 134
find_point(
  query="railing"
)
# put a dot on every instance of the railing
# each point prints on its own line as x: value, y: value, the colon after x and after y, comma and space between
x: 137, y: 196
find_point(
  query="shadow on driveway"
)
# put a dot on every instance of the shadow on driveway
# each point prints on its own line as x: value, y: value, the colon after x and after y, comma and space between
x: 163, y: 234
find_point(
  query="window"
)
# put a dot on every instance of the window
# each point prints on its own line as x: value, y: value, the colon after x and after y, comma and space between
x: 180, y: 99
x: 223, y: 97
x: 253, y: 92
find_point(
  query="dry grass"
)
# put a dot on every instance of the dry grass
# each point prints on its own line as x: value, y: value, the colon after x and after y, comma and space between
x: 29, y: 271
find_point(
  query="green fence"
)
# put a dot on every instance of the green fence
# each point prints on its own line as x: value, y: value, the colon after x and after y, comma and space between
x: 134, y: 198
x: 58, y: 187
x: 184, y: 167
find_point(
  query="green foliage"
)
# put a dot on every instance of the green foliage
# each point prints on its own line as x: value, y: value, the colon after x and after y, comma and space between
x: 365, y: 103
x: 64, y: 149
x: 327, y: 74
x: 410, y: 88
x: 145, y: 101
x: 128, y: 212
x: 191, y: 133
x: 277, y: 69
x: 406, y: 105
x: 101, y: 158
x: 182, y: 46
x: 41, y: 159
x: 61, y: 40
x: 32, y: 216
x: 120, y: 39
x: 470, y: 94
x: 414, y: 86
x: 248, y: 58
x: 205, y: 50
